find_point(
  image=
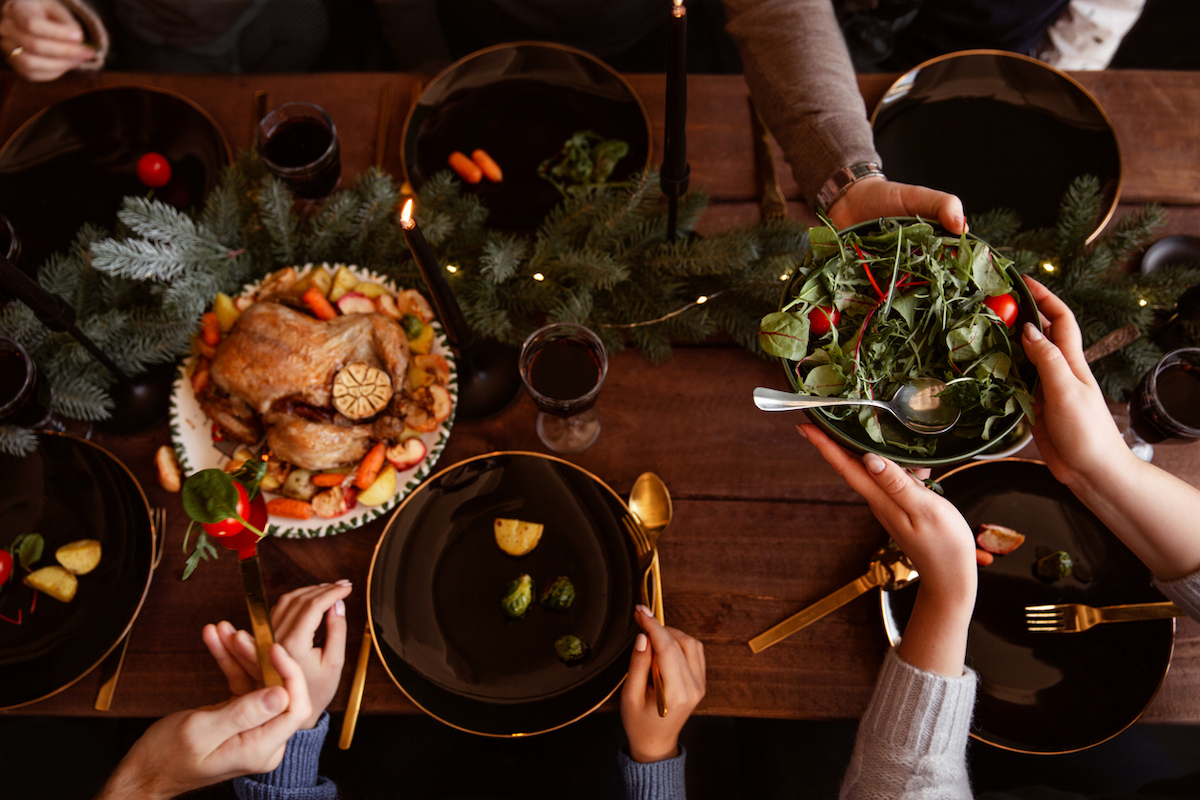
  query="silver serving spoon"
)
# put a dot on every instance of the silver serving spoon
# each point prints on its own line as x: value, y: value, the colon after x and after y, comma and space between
x: 916, y: 405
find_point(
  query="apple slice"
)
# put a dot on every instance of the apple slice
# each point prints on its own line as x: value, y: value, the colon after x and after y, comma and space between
x: 406, y: 454
x: 355, y: 303
x: 998, y: 539
x: 410, y: 301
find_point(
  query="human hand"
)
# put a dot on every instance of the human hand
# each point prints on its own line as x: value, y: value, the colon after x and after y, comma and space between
x: 1074, y: 430
x: 191, y: 749
x: 295, y: 619
x: 874, y: 197
x: 680, y: 660
x: 50, y: 38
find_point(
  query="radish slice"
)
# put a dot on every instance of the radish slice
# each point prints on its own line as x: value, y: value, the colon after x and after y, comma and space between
x: 407, y: 454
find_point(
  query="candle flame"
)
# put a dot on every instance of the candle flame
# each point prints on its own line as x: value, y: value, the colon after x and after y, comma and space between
x: 406, y: 214
x: 678, y: 3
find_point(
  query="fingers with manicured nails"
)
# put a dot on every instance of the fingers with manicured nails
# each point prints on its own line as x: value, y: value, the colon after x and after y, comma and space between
x: 1063, y: 327
x: 1054, y: 372
x: 845, y: 465
x: 334, y: 651
x: 291, y: 703
x: 638, y: 681
x: 240, y: 682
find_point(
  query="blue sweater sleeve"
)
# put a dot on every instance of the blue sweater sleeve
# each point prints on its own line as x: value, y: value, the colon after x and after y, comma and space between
x: 296, y: 776
x: 658, y: 780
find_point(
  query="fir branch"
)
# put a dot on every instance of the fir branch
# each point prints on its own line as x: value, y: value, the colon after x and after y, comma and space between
x: 501, y: 257
x: 17, y: 441
x: 275, y: 201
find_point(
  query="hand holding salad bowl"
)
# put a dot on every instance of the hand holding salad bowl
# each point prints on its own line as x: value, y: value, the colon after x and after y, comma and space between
x: 880, y: 305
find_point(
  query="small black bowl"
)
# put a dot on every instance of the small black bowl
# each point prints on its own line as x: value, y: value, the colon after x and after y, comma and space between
x: 1177, y: 249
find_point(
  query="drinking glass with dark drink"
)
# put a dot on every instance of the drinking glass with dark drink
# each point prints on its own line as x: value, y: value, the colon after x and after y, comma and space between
x: 298, y: 143
x: 563, y: 367
x: 1166, y: 403
x: 24, y: 392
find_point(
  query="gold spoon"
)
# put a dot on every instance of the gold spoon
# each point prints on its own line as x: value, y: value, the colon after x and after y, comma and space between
x: 650, y: 502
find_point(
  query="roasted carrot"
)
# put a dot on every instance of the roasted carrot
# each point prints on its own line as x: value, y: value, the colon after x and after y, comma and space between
x: 210, y: 329
x: 287, y: 507
x: 467, y: 169
x: 368, y: 470
x: 315, y: 299
x: 983, y: 558
x: 206, y: 349
x: 490, y: 168
x: 200, y: 376
x: 328, y: 479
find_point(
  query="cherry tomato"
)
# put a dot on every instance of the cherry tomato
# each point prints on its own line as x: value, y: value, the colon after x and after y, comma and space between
x: 230, y: 526
x: 1005, y: 306
x: 6, y: 566
x: 154, y: 170
x: 823, y: 319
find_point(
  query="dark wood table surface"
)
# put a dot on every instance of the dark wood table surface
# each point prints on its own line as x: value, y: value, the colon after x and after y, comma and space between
x: 762, y: 526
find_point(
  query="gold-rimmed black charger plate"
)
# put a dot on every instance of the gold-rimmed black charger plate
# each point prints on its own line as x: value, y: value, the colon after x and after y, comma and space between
x: 437, y: 577
x: 519, y: 102
x: 75, y: 161
x: 70, y: 489
x: 1049, y: 692
x: 999, y: 130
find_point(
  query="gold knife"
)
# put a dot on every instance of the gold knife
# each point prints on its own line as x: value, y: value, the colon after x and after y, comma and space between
x: 260, y: 616
x: 773, y: 203
x: 354, y: 704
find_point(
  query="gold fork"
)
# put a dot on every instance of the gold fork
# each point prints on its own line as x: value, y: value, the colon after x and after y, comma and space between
x: 647, y: 558
x: 1076, y: 617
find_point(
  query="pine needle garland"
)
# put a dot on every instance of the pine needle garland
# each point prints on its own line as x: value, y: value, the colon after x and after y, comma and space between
x: 600, y: 258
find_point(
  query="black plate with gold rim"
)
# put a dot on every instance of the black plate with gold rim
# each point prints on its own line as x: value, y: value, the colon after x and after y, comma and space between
x: 70, y: 489
x: 75, y: 161
x: 437, y: 577
x: 519, y: 102
x: 1049, y: 692
x: 999, y: 130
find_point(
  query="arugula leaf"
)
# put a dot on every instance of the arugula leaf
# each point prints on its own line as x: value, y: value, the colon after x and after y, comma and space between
x: 203, y: 551
x: 27, y: 549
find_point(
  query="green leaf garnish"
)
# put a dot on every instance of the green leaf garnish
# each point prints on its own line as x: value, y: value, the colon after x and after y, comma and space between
x: 27, y: 549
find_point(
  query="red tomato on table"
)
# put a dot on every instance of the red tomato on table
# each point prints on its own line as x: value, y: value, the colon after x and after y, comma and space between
x: 6, y: 566
x: 1005, y: 306
x: 154, y: 170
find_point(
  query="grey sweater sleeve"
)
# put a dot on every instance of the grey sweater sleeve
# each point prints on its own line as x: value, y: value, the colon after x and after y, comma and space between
x: 803, y: 84
x: 296, y: 776
x: 1183, y: 592
x: 912, y: 740
x: 658, y: 780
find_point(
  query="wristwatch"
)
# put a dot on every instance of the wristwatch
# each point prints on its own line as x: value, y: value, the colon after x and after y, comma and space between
x: 843, y: 179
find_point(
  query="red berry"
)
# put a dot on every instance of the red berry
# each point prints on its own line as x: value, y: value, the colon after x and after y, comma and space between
x: 1005, y: 306
x: 823, y: 319
x: 154, y: 170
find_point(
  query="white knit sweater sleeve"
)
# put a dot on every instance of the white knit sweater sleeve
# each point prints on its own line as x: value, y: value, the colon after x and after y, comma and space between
x: 1183, y: 592
x: 912, y: 740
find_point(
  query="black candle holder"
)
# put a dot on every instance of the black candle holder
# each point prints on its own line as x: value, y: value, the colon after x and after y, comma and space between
x: 488, y: 376
x: 139, y: 402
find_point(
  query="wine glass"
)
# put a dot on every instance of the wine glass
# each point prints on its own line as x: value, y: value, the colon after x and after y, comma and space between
x: 563, y: 366
x: 24, y: 392
x: 298, y: 143
x: 1166, y: 403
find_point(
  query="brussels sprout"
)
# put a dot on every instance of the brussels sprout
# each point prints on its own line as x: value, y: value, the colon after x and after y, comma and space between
x: 1054, y: 566
x: 517, y: 597
x: 411, y: 325
x: 571, y: 648
x: 558, y: 594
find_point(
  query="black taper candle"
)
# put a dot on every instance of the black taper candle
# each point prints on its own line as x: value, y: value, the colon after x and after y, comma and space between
x: 458, y: 332
x: 675, y: 170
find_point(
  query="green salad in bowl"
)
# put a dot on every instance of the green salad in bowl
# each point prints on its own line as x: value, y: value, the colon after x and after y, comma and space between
x: 881, y: 303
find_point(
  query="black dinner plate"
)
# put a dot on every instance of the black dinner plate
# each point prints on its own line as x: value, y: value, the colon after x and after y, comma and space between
x: 75, y: 161
x: 999, y: 130
x: 70, y: 489
x: 437, y: 577
x: 1049, y: 692
x: 520, y: 102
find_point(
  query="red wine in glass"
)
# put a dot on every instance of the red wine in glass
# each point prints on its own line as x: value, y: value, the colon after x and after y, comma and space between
x: 1166, y: 403
x: 563, y: 367
x: 24, y: 392
x: 298, y: 143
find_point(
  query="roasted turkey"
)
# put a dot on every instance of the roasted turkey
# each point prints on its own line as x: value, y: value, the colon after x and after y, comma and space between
x: 275, y: 371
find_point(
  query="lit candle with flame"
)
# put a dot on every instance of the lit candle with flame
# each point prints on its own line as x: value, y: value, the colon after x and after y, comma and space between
x: 675, y: 171
x: 443, y: 297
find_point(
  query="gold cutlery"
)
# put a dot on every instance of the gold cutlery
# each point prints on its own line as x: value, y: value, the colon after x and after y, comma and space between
x: 110, y: 667
x: 889, y: 569
x: 773, y: 203
x: 648, y: 561
x: 354, y: 704
x: 1076, y: 617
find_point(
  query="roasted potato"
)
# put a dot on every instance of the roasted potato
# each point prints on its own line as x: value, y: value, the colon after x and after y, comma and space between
x: 79, y: 557
x: 54, y: 581
x: 516, y: 537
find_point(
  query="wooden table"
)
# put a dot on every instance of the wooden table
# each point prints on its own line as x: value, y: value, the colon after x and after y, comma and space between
x: 762, y: 526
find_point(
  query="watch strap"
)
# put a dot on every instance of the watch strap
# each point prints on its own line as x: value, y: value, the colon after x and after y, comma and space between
x: 843, y: 179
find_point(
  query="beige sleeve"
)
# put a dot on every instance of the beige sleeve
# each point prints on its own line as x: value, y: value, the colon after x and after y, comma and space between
x: 95, y: 33
x: 803, y: 84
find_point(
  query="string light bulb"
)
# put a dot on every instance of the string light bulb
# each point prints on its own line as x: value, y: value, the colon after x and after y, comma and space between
x: 783, y: 277
x: 701, y: 299
x: 537, y: 276
x: 1048, y: 266
x: 451, y: 268
x: 1142, y: 302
